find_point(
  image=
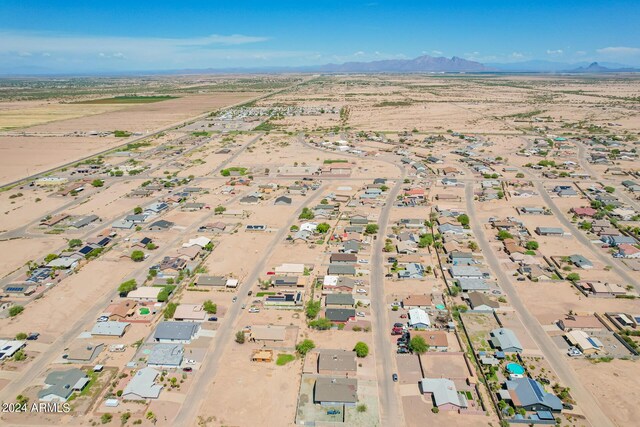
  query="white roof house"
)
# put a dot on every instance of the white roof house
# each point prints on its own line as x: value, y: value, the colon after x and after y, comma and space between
x: 200, y: 241
x: 418, y: 318
x: 443, y: 391
x: 290, y: 269
x: 330, y: 280
x: 9, y: 347
x: 309, y: 226
x: 143, y: 385
x: 145, y: 293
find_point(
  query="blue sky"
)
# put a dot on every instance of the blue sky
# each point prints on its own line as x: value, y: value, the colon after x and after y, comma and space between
x: 87, y: 35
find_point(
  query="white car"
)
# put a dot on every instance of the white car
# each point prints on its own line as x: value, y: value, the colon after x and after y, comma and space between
x: 360, y: 314
x: 254, y: 310
x: 363, y: 261
x: 190, y: 362
x: 361, y: 291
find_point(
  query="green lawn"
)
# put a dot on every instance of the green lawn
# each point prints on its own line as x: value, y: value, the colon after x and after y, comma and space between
x: 128, y: 100
x: 284, y: 358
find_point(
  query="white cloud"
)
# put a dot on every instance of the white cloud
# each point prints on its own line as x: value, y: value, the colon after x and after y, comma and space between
x: 359, y: 53
x: 619, y: 51
x: 555, y: 52
x: 78, y: 52
x: 581, y: 53
x: 436, y: 52
x: 517, y: 55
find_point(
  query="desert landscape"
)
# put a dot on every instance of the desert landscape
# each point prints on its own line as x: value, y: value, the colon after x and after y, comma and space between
x: 353, y: 249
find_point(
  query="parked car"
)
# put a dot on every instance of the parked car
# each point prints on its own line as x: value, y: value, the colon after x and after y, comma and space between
x: 33, y: 336
x: 254, y: 310
x: 568, y: 406
x: 103, y: 319
x: 544, y: 381
x: 244, y: 306
x: 361, y: 291
x: 190, y: 362
x: 213, y: 319
x: 333, y: 412
x: 402, y: 350
x: 401, y: 340
x: 403, y: 316
x: 396, y: 331
x: 250, y: 293
x: 388, y: 275
x: 521, y: 279
x: 398, y: 325
x: 395, y: 378
x: 363, y: 261
x: 395, y: 304
x: 234, y: 299
x: 360, y: 314
x: 187, y: 369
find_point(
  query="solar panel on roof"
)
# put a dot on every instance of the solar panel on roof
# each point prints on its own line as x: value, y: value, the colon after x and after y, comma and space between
x: 85, y: 250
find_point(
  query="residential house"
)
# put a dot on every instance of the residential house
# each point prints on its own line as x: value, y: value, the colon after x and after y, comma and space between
x: 505, y: 340
x: 176, y: 332
x: 417, y: 301
x: 166, y: 356
x: 143, y: 385
x: 341, y: 270
x: 60, y: 385
x: 340, y: 315
x: 481, y: 302
x: 530, y: 395
x: 444, y: 394
x: 161, y: 225
x: 549, y: 231
x: 580, y: 261
x: 340, y: 300
x: 337, y: 363
x: 419, y: 318
x: 109, y: 329
x: 335, y: 391
x: 412, y: 271
x: 190, y: 313
x: 214, y: 281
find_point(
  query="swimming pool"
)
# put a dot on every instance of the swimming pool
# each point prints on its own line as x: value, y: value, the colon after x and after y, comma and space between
x: 515, y: 369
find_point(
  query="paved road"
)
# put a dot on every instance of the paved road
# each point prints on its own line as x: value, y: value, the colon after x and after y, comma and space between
x: 556, y: 359
x: 605, y: 259
x: 391, y: 412
x: 226, y: 333
x: 55, y: 349
x: 584, y: 163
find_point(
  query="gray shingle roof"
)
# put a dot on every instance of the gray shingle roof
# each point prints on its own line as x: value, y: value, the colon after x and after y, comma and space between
x: 176, y: 331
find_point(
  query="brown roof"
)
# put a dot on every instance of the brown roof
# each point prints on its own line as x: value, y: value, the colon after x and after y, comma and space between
x: 123, y: 308
x: 581, y: 322
x: 344, y: 257
x: 417, y: 300
x: 433, y: 338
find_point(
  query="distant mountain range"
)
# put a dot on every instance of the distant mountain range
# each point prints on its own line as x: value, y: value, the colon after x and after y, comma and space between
x: 421, y: 64
x: 539, y: 66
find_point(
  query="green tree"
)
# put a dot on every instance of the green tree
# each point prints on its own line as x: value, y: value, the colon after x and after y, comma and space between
x: 573, y: 277
x: 210, y: 307
x: 586, y: 225
x: 312, y: 309
x: 418, y: 345
x: 128, y: 286
x: 532, y: 245
x: 425, y: 240
x: 170, y: 310
x: 321, y: 324
x: 97, y: 183
x: 463, y: 219
x: 106, y: 418
x: 21, y: 336
x: 219, y: 209
x: 15, y: 310
x: 306, y: 214
x: 305, y: 346
x: 74, y: 243
x: 503, y: 235
x: 609, y: 189
x: 240, y: 337
x: 50, y: 258
x: 473, y: 246
x: 371, y: 229
x: 137, y: 210
x: 361, y: 349
x: 323, y: 227
x: 151, y: 246
x: 137, y: 256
